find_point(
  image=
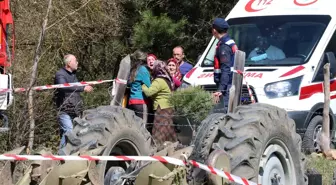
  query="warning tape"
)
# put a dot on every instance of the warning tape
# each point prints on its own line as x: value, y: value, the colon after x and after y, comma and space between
x: 247, y: 85
x: 65, y: 85
x: 162, y: 159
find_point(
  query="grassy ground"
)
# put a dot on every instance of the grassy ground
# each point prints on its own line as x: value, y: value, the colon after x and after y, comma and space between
x: 323, y: 166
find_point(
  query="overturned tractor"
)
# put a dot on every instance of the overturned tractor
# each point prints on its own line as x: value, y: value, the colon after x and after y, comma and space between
x: 257, y: 142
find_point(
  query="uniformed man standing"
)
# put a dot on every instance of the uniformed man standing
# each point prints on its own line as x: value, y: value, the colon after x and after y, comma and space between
x: 223, y: 62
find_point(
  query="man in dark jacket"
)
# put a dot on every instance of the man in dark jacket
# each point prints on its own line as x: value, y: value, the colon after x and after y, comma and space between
x: 223, y: 62
x: 68, y: 100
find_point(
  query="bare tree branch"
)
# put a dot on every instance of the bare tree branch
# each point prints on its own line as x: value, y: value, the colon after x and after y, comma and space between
x: 33, y: 80
x: 71, y: 13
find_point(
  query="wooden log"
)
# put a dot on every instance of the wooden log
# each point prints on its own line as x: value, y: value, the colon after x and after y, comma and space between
x: 119, y: 88
x: 325, y: 135
x: 237, y: 79
x: 231, y: 97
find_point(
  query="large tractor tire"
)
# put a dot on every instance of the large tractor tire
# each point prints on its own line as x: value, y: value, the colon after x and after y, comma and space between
x: 260, y: 141
x: 116, y: 128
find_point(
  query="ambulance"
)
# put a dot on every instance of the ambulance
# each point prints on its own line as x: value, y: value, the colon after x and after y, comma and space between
x: 287, y: 43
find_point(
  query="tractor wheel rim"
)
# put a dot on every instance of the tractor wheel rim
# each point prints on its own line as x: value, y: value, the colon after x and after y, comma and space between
x: 317, y: 132
x: 122, y: 148
x: 276, y: 166
x: 115, y: 173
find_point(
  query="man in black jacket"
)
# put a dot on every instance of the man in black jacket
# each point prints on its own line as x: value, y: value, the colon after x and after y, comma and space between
x: 68, y: 100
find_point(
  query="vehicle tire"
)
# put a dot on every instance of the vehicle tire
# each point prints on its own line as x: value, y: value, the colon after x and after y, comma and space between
x: 116, y: 128
x: 309, y: 141
x: 258, y: 138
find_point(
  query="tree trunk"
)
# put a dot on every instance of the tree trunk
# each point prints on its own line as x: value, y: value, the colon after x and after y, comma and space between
x: 33, y: 80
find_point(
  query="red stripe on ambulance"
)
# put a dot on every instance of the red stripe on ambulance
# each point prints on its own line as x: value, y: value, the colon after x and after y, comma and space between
x: 308, y: 91
x: 293, y: 71
x: 246, y: 75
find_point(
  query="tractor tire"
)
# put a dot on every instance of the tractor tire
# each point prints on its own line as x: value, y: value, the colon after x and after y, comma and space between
x: 260, y: 140
x: 118, y: 129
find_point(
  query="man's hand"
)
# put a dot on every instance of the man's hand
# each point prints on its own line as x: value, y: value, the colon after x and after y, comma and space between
x: 88, y: 88
x: 216, y: 96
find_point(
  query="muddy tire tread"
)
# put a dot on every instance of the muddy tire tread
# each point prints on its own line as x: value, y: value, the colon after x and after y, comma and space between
x: 111, y: 119
x: 244, y: 135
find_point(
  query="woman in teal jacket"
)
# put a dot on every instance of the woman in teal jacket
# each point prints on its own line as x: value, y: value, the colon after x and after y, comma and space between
x: 139, y: 75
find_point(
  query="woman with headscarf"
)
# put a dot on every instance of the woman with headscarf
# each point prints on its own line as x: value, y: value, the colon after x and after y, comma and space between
x: 139, y: 75
x: 174, y: 71
x: 160, y: 90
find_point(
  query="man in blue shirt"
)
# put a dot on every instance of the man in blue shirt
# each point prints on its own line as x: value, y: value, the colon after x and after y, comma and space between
x: 223, y: 62
x: 178, y: 54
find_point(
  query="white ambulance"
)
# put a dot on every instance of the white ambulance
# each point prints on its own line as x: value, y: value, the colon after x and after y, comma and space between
x: 298, y: 37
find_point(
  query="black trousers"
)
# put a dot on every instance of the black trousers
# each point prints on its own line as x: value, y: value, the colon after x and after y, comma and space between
x: 140, y: 110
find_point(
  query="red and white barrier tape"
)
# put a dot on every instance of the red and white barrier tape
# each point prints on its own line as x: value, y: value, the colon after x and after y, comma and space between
x: 247, y: 85
x: 121, y: 81
x: 162, y: 159
x: 65, y: 85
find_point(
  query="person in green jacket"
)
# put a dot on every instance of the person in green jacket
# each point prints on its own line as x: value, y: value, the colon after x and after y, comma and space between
x: 160, y: 90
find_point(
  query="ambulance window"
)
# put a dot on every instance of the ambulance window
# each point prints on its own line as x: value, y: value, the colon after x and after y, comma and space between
x: 274, y: 40
x: 332, y: 44
x: 209, y: 58
x: 330, y: 48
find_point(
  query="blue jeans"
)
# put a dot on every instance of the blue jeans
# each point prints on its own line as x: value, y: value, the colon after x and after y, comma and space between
x: 65, y: 124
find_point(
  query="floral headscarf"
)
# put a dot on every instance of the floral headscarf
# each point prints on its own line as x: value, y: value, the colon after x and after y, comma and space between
x: 177, y: 74
x: 160, y: 70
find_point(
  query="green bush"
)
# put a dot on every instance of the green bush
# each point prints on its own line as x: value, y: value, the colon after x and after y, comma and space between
x: 193, y: 102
